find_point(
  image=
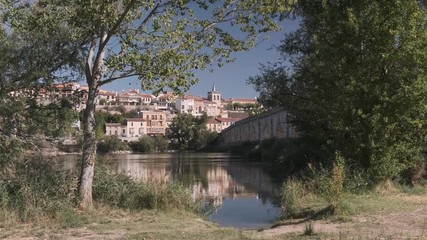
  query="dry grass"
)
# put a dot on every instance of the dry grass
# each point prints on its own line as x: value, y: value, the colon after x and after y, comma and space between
x: 395, y: 216
x: 107, y: 223
x: 381, y: 214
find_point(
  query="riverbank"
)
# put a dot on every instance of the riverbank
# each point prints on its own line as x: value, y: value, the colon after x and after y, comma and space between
x: 389, y: 214
x: 399, y: 216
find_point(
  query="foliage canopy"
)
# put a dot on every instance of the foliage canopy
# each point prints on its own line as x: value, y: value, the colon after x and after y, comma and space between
x: 357, y: 81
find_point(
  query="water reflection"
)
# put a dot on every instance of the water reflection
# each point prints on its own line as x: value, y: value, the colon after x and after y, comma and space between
x: 239, y: 192
x: 209, y: 175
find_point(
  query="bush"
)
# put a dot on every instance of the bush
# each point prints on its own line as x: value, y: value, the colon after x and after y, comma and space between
x: 321, y: 183
x: 33, y: 188
x: 161, y: 144
x: 147, y: 144
x: 119, y: 190
x: 293, y: 192
x: 110, y: 144
x: 144, y: 144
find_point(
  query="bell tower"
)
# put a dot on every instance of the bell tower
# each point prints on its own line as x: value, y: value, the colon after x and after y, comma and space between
x: 214, y: 95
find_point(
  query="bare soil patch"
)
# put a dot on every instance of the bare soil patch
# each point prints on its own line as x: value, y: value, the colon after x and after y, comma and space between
x: 408, y: 221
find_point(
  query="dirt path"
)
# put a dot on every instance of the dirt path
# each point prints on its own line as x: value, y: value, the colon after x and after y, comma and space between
x: 407, y: 224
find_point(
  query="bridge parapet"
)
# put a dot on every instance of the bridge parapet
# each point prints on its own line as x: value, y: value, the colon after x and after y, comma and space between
x: 267, y: 125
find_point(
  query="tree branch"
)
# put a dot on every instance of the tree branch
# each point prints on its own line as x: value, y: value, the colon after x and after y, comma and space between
x: 88, y: 65
x: 123, y: 75
x: 110, y: 33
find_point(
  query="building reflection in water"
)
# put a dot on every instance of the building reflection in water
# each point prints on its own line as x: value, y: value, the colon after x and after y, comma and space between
x: 210, y: 176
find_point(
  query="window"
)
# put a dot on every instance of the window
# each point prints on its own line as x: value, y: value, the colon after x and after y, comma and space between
x: 124, y: 131
x: 141, y: 124
x: 161, y: 117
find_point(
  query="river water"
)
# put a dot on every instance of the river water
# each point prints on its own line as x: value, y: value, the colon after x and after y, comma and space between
x: 238, y: 193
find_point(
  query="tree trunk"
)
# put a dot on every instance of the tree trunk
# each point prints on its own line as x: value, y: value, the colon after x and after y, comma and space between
x: 93, y: 71
x: 89, y: 149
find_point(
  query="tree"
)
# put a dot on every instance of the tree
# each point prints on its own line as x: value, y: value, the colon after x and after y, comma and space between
x: 181, y: 130
x: 54, y: 119
x: 144, y: 144
x: 30, y: 62
x: 274, y: 86
x: 161, y: 144
x: 160, y: 42
x: 188, y: 132
x: 102, y: 117
x: 358, y: 81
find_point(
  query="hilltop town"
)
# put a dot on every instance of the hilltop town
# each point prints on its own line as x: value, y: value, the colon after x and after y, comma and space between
x: 150, y: 114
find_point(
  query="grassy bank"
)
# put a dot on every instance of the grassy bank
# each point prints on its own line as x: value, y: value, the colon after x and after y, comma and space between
x: 104, y: 222
x: 37, y: 201
x: 385, y: 216
x: 33, y: 188
x: 326, y: 197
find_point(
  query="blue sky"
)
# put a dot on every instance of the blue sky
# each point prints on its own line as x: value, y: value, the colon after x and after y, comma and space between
x: 230, y: 79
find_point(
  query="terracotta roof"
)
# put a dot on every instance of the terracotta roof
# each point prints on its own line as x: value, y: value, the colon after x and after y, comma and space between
x: 105, y: 92
x: 209, y: 102
x: 213, y: 121
x: 135, y: 120
x: 133, y: 91
x: 64, y: 85
x: 197, y: 98
x: 146, y: 95
x: 165, y: 96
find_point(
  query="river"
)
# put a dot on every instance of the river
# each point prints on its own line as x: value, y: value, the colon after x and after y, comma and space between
x: 239, y: 193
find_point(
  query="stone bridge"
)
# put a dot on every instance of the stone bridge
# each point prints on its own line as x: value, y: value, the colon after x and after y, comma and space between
x: 267, y: 125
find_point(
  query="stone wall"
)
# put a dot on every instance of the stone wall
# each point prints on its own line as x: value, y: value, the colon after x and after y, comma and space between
x: 268, y: 125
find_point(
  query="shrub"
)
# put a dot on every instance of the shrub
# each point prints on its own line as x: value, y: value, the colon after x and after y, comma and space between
x: 119, y: 190
x: 161, y: 144
x: 323, y: 183
x: 335, y: 186
x: 309, y: 228
x: 292, y: 193
x: 110, y: 144
x: 33, y: 188
x: 144, y: 144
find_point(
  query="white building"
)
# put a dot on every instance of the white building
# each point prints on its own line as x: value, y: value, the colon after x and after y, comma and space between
x: 131, y: 130
x: 185, y: 105
x: 148, y: 123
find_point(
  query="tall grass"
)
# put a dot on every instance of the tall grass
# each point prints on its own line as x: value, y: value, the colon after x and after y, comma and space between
x: 31, y: 188
x: 34, y: 188
x: 293, y: 192
x: 316, y: 184
x: 119, y: 190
